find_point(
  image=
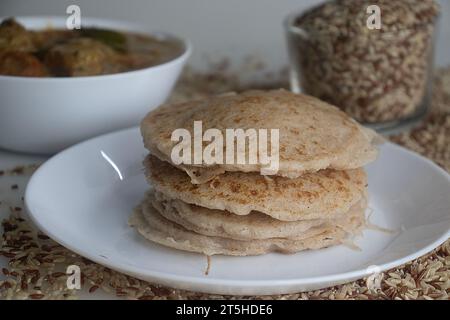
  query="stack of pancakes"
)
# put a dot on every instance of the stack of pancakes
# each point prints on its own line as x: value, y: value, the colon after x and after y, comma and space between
x: 316, y: 199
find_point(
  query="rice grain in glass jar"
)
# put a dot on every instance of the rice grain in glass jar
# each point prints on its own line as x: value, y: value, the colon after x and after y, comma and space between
x: 381, y: 77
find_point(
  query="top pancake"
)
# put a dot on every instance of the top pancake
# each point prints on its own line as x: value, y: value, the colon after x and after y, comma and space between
x: 313, y: 134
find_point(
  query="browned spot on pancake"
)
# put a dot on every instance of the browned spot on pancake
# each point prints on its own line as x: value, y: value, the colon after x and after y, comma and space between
x: 345, y: 174
x: 300, y: 150
x: 253, y: 99
x: 266, y: 182
x: 215, y: 183
x: 235, y: 187
x: 305, y: 195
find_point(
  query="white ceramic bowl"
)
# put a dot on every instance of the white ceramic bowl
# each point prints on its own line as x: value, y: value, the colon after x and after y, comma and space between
x: 45, y: 115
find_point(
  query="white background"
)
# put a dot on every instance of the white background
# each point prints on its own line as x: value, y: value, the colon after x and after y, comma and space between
x: 232, y: 28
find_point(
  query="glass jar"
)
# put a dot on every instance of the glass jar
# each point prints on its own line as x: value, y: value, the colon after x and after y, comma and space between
x: 381, y: 78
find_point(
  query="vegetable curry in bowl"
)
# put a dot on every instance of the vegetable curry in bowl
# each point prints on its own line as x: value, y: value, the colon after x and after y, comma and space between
x: 77, y: 53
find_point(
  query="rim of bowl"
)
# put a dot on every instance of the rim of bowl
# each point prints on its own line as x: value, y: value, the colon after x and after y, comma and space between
x: 123, y: 26
x: 291, y: 27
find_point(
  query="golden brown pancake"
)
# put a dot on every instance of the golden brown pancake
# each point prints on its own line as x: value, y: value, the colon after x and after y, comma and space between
x: 326, y: 194
x: 313, y: 134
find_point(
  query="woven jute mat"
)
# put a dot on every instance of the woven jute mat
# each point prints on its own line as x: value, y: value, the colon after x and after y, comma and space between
x: 37, y: 265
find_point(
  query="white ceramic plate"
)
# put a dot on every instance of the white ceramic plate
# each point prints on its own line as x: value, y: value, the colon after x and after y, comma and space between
x: 82, y: 198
